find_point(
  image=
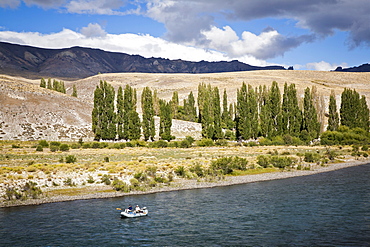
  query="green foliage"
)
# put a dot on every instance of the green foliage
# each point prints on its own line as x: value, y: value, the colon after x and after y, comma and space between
x: 29, y: 190
x: 291, y: 114
x: 247, y: 113
x: 90, y: 180
x: 333, y: 121
x: 69, y: 182
x: 71, y: 159
x: 159, y: 144
x: 228, y: 164
x: 354, y: 111
x: 275, y: 160
x: 148, y: 114
x: 106, y: 179
x: 119, y: 185
x: 311, y: 157
x: 43, y: 83
x: 64, y: 147
x: 54, y: 148
x: 43, y: 144
x: 263, y: 160
x: 205, y: 143
x: 165, y: 121
x: 197, y: 169
x: 74, y: 91
x: 180, y: 171
x: 103, y: 114
x: 39, y: 148
x: 345, y: 136
x: 310, y: 123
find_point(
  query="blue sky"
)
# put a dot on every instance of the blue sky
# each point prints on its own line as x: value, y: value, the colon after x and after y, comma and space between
x: 315, y: 34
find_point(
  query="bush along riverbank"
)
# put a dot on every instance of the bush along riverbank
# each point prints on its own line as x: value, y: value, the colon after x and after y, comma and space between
x: 28, y: 176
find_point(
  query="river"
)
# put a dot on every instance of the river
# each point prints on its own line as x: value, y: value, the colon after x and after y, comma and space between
x: 327, y: 209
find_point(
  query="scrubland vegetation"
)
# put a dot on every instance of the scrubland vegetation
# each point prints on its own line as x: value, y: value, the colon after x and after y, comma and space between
x: 41, y: 169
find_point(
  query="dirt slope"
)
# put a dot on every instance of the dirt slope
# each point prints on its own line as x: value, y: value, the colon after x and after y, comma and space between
x: 28, y: 112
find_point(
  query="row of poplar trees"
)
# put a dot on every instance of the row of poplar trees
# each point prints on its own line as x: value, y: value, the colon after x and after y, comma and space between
x: 117, y: 117
x: 261, y: 111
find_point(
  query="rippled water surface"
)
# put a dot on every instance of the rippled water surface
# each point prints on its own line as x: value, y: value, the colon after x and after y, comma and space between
x: 328, y: 209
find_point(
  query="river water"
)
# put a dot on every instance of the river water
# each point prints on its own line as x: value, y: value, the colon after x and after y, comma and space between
x: 327, y: 209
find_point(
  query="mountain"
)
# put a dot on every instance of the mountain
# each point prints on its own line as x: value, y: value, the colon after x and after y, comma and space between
x: 79, y: 62
x: 362, y: 68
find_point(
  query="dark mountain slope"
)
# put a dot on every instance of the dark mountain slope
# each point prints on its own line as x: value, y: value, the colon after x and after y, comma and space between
x: 79, y: 62
x: 362, y: 68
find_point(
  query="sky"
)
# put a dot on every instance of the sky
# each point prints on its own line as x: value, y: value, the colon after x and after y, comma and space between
x: 306, y: 34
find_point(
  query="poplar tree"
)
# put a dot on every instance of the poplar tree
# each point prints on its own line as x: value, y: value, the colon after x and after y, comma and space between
x: 175, y: 105
x: 310, y: 122
x: 216, y: 114
x: 148, y: 114
x: 363, y: 114
x: 74, y: 91
x: 165, y: 123
x: 120, y: 113
x: 274, y: 107
x: 291, y: 114
x: 43, y: 83
x: 226, y: 116
x: 265, y: 121
x: 247, y: 113
x: 49, y: 84
x: 103, y: 114
x: 333, y: 121
x: 190, y: 109
x: 350, y: 108
x: 131, y: 120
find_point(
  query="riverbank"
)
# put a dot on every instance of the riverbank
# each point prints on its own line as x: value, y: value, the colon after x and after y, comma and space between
x: 105, y: 191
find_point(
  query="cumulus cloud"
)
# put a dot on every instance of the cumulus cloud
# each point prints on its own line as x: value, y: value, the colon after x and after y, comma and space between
x: 323, y: 66
x: 322, y: 17
x: 268, y: 44
x: 93, y: 30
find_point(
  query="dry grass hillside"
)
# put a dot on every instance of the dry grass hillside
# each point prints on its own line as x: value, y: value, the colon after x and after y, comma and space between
x: 28, y: 112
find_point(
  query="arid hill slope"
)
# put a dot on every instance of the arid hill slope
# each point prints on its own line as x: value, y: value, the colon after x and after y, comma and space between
x: 28, y: 112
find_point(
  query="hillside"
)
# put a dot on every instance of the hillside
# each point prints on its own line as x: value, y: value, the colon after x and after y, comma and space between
x: 79, y: 62
x: 29, y: 112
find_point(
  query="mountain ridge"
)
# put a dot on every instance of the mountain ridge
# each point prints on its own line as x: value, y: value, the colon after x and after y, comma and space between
x: 81, y: 62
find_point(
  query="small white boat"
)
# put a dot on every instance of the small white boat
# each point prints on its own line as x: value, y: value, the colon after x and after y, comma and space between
x: 132, y: 214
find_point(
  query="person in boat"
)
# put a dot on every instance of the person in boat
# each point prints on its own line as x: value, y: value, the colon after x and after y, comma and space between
x: 129, y: 209
x: 137, y: 209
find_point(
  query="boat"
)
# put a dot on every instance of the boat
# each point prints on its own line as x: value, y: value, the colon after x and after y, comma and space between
x: 133, y: 214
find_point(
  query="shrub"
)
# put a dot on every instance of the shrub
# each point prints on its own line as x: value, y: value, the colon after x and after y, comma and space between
x: 190, y: 139
x: 185, y: 144
x: 281, y: 162
x: 221, y: 142
x: 311, y: 157
x: 263, y: 160
x: 119, y: 185
x: 69, y: 182
x: 159, y: 144
x: 54, y: 148
x: 180, y: 171
x: 106, y: 179
x: 134, y: 182
x: 39, y: 148
x: 197, y: 169
x: 205, y: 142
x: 106, y: 159
x: 64, y: 147
x: 30, y: 189
x: 71, y: 159
x: 43, y: 144
x: 90, y: 180
x: 55, y: 143
x: 365, y: 148
x: 228, y: 164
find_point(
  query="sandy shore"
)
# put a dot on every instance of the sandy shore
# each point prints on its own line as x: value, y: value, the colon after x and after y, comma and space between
x: 183, y: 184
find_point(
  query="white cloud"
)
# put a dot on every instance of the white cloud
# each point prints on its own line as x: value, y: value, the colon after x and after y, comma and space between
x: 266, y: 45
x: 323, y: 66
x: 93, y: 30
x: 145, y: 45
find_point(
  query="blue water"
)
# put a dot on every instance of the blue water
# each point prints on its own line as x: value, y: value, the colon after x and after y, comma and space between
x: 328, y: 209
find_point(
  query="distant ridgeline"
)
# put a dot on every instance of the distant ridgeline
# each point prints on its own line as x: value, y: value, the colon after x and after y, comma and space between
x: 362, y: 68
x: 261, y: 112
x: 79, y: 62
